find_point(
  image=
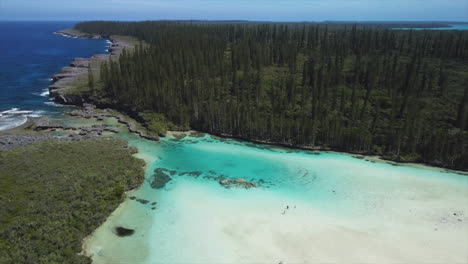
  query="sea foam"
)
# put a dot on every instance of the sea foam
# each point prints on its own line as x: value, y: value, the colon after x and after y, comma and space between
x: 15, y: 117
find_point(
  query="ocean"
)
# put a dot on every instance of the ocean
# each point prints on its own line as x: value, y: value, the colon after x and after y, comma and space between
x: 452, y: 27
x: 31, y: 55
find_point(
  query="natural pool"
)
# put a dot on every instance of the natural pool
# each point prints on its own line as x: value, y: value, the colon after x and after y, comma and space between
x: 341, y: 208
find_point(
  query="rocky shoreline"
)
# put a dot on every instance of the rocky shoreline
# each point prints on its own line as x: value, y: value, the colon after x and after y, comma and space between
x: 79, y: 68
x: 90, y: 111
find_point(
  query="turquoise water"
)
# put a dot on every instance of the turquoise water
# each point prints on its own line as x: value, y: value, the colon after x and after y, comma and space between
x: 452, y: 27
x: 347, y: 201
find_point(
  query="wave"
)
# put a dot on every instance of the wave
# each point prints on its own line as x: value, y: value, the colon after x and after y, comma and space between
x: 14, y: 111
x: 45, y: 93
x: 63, y: 35
x: 55, y: 104
x: 15, y: 117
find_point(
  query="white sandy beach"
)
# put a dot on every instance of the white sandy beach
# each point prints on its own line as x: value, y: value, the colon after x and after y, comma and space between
x: 378, y: 214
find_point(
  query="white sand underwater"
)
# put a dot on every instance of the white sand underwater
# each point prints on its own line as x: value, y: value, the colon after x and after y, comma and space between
x: 341, y: 210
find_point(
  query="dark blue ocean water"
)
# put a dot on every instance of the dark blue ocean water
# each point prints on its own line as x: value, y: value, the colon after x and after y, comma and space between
x: 29, y: 55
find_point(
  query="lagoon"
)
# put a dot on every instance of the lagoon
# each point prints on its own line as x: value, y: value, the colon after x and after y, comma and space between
x: 308, y: 207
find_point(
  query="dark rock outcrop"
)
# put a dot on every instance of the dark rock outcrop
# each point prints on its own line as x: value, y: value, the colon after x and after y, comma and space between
x: 89, y: 111
x: 12, y: 141
x: 237, y: 183
x: 123, y: 232
x: 160, y: 178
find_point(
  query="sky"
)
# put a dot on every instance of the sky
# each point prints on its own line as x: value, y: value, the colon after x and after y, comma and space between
x: 259, y: 10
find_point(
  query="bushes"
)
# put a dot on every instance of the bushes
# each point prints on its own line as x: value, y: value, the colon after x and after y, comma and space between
x: 158, y: 123
x: 53, y: 194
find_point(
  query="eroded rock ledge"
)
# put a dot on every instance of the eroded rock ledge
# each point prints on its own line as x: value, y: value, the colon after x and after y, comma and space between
x: 41, y: 132
x: 90, y: 111
x: 78, y: 69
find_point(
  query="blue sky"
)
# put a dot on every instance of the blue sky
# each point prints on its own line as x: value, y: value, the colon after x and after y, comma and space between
x: 267, y: 10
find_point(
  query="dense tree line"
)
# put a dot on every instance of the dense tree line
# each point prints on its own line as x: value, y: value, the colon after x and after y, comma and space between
x: 399, y: 93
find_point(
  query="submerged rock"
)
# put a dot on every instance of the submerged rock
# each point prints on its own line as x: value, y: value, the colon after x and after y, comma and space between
x: 142, y: 201
x: 238, y: 183
x: 123, y: 232
x: 161, y: 177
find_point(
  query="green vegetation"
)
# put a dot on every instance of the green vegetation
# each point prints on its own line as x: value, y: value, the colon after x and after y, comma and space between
x: 158, y: 123
x: 359, y: 88
x: 54, y: 193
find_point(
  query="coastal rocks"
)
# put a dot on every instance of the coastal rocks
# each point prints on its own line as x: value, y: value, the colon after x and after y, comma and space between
x: 132, y: 127
x: 69, y: 99
x: 77, y: 34
x: 44, y: 125
x: 11, y: 141
x: 237, y: 183
x: 160, y: 178
x: 81, y: 63
x: 94, y: 131
x: 90, y: 111
x: 66, y: 80
x: 87, y: 111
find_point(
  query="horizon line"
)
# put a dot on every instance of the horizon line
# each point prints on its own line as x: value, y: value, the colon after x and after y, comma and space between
x: 243, y: 20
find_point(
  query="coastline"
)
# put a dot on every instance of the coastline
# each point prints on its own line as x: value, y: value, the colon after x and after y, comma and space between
x: 58, y: 91
x: 91, y: 245
x: 78, y: 68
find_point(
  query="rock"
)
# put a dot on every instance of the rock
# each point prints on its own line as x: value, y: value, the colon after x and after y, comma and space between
x: 12, y: 141
x: 237, y: 183
x: 123, y: 232
x: 68, y: 99
x: 226, y: 181
x: 241, y: 180
x: 62, y: 89
x: 142, y: 201
x: 80, y: 63
x: 113, y: 130
x: 160, y: 178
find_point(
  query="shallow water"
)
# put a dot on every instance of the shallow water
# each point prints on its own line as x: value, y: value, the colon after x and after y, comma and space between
x: 341, y: 208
